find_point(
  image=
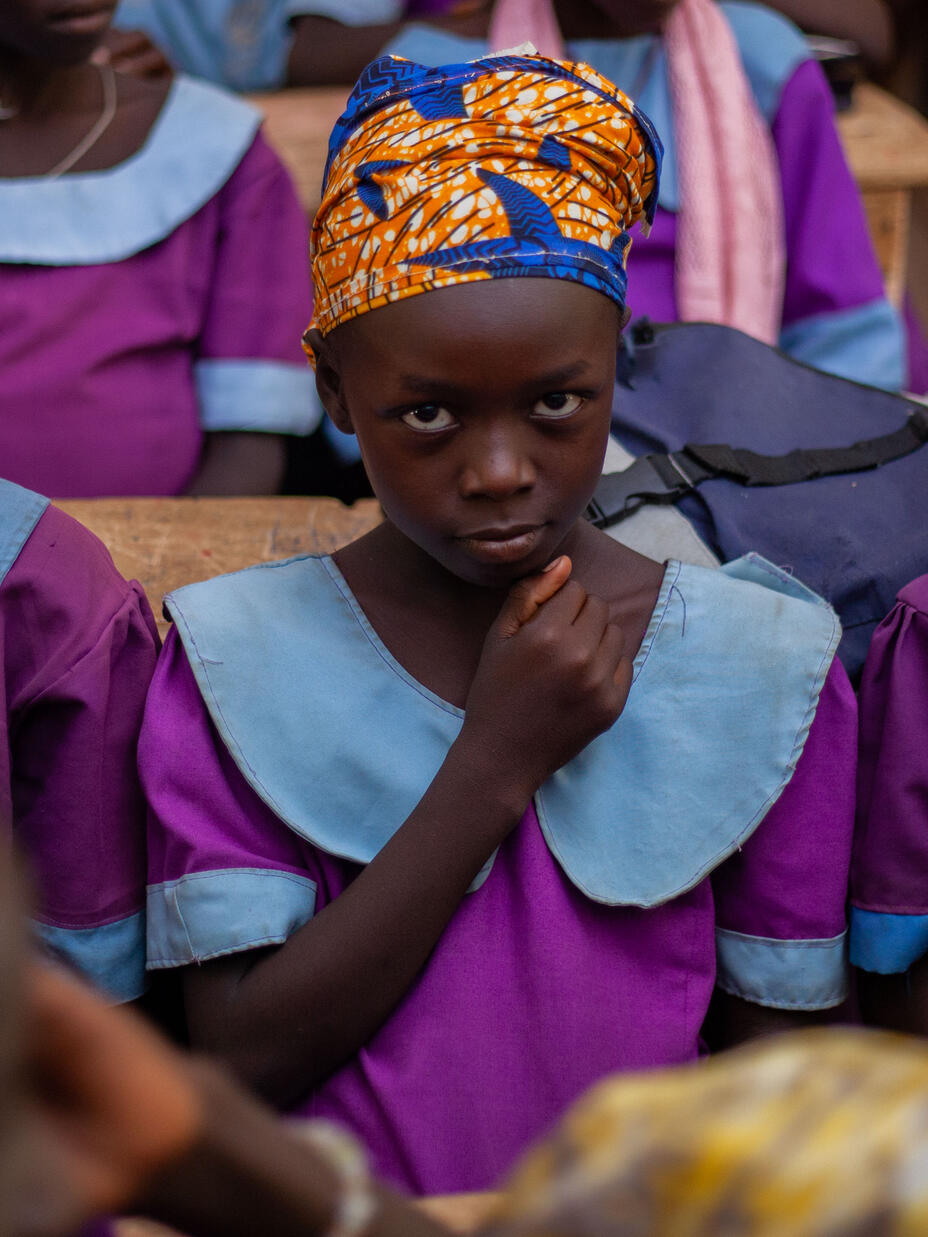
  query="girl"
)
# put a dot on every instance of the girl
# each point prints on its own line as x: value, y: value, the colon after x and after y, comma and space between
x: 742, y: 74
x: 153, y: 270
x: 77, y: 650
x: 450, y: 825
x: 889, y: 886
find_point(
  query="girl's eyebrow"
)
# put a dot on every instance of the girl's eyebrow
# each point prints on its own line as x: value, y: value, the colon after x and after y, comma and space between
x: 551, y: 380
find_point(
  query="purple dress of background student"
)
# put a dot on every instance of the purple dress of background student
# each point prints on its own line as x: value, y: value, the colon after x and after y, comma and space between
x: 889, y: 880
x: 148, y: 304
x: 542, y: 982
x: 77, y: 650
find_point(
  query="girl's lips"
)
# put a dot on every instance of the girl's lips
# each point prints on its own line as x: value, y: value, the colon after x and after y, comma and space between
x: 82, y: 21
x: 501, y: 547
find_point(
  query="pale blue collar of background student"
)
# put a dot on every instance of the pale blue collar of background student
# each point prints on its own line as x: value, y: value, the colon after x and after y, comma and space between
x: 341, y: 742
x: 195, y: 144
x: 771, y: 49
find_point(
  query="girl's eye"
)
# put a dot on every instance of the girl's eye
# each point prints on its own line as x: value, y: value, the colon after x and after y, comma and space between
x: 558, y: 404
x: 428, y: 419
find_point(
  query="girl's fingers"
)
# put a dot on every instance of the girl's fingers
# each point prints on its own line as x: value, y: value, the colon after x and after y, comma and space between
x: 529, y: 595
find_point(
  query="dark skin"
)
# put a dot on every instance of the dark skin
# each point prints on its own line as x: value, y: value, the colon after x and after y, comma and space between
x: 896, y: 1002
x: 47, y: 74
x: 483, y: 449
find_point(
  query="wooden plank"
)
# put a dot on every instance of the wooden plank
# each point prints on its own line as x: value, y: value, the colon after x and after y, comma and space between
x: 298, y: 124
x: 885, y: 140
x: 888, y: 214
x: 167, y: 542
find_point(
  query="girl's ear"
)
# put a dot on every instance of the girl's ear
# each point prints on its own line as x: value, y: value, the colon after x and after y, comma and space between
x: 329, y: 381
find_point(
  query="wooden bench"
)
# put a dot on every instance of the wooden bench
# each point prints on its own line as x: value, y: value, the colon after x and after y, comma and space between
x: 885, y: 140
x: 167, y: 542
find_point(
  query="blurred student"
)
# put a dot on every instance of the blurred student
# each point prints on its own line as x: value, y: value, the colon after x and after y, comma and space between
x: 77, y: 651
x: 889, y: 881
x: 819, y: 1133
x: 100, y: 1114
x: 265, y: 44
x: 153, y: 268
x: 793, y: 263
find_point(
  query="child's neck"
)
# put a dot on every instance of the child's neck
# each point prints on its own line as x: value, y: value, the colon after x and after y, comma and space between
x: 435, y: 624
x: 54, y: 107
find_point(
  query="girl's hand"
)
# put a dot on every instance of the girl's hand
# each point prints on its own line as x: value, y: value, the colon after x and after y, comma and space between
x: 552, y: 676
x: 107, y: 1104
x: 132, y: 52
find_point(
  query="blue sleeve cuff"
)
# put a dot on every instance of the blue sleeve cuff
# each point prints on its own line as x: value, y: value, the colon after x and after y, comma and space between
x: 782, y: 974
x: 349, y: 12
x: 271, y: 397
x: 111, y: 956
x: 887, y: 944
x: 209, y: 914
x: 866, y: 344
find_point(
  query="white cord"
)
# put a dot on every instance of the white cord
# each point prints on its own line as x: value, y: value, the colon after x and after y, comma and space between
x: 108, y: 78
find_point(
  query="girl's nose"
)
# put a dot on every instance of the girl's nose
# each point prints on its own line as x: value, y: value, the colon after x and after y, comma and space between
x: 497, y: 465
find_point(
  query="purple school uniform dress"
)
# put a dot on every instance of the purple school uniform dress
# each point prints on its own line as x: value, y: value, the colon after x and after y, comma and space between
x: 143, y: 306
x: 889, y: 882
x: 646, y: 871
x: 78, y: 647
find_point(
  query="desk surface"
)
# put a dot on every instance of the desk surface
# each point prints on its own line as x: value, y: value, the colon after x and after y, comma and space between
x: 886, y: 141
x: 167, y: 542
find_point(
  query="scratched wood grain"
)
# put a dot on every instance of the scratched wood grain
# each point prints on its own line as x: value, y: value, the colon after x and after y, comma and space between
x: 168, y: 542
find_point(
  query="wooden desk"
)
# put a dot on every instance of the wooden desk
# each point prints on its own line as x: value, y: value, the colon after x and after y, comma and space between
x: 298, y: 124
x: 886, y: 143
x: 885, y: 140
x: 167, y: 542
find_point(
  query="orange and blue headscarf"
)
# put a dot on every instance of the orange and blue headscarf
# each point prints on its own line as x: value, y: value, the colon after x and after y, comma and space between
x: 513, y: 165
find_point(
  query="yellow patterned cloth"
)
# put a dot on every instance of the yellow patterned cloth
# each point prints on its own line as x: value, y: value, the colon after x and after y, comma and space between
x: 514, y: 165
x: 818, y: 1134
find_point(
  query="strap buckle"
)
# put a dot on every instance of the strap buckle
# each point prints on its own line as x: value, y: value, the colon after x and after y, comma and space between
x: 650, y: 479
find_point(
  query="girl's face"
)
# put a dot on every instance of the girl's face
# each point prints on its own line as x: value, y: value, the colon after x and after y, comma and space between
x: 63, y: 31
x: 483, y: 413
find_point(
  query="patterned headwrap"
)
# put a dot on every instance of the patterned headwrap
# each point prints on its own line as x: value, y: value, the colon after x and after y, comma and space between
x: 513, y: 165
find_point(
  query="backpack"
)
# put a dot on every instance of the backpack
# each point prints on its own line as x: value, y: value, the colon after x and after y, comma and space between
x: 827, y: 478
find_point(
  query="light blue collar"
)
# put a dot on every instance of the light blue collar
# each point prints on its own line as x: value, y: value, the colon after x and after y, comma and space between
x: 20, y: 511
x: 196, y: 143
x: 341, y: 742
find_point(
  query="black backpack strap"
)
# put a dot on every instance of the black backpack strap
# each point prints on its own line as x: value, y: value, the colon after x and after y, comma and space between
x: 667, y: 478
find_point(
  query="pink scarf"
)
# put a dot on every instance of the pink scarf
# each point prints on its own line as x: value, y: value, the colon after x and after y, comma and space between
x: 731, y: 251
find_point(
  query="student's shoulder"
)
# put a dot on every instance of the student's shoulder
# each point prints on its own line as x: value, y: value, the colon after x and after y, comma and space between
x: 771, y: 48
x: 915, y: 596
x: 197, y: 140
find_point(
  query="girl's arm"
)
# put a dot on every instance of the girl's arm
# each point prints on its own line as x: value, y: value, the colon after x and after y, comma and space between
x: 328, y: 53
x: 240, y: 464
x: 551, y: 677
x: 111, y: 1117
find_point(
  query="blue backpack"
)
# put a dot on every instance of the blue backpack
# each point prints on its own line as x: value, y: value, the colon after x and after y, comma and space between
x: 826, y: 477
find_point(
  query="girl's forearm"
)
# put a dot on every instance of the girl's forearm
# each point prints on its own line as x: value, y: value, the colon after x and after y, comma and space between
x: 328, y: 53
x: 247, y: 1174
x: 286, y: 1020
